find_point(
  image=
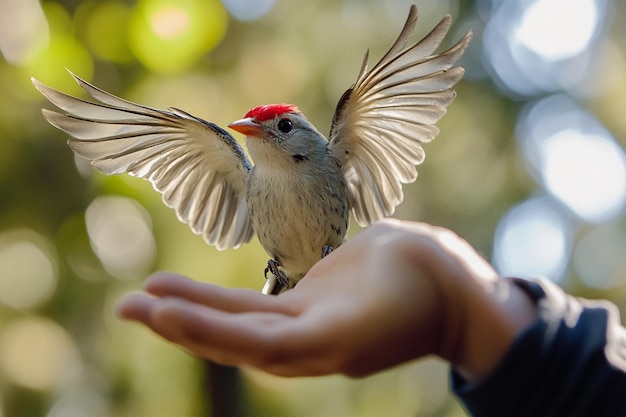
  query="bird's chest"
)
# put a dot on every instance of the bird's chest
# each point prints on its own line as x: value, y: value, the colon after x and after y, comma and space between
x: 294, y: 216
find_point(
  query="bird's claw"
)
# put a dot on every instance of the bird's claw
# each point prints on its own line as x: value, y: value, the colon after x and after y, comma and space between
x: 272, y: 266
x: 326, y: 250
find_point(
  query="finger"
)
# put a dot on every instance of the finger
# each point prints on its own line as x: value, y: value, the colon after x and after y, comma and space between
x: 137, y: 307
x: 187, y: 324
x: 273, y: 342
x: 233, y: 300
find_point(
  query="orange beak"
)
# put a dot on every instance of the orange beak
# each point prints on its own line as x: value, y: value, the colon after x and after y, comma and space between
x: 248, y: 126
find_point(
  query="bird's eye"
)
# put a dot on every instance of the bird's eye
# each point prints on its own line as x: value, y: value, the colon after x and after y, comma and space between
x: 285, y: 125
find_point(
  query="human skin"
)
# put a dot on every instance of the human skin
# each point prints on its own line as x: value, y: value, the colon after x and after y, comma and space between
x: 397, y: 291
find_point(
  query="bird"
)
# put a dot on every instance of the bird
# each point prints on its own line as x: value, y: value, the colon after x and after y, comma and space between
x: 298, y: 193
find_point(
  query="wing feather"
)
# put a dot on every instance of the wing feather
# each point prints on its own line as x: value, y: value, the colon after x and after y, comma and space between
x: 199, y: 169
x: 384, y: 118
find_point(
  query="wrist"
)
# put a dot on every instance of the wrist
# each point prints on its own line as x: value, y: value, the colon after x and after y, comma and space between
x: 494, y: 316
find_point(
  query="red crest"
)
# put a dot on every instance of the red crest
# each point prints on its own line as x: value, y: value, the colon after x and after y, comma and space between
x: 270, y: 111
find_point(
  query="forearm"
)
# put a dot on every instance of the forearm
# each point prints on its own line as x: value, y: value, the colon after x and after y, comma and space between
x: 571, y: 361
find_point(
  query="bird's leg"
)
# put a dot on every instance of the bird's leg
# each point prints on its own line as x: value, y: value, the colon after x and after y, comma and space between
x: 272, y: 266
x: 326, y: 250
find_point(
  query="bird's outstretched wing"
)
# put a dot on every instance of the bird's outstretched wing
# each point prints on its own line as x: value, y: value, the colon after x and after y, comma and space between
x: 381, y: 121
x: 198, y: 167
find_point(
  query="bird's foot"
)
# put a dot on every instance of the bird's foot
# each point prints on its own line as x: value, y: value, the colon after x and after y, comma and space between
x: 272, y: 266
x: 326, y: 250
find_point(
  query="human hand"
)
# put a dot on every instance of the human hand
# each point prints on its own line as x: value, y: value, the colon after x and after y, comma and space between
x: 395, y: 292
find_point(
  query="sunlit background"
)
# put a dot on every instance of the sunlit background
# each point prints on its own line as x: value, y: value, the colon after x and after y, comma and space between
x: 529, y: 167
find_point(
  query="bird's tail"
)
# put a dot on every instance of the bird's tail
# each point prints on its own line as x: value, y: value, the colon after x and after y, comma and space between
x: 272, y: 286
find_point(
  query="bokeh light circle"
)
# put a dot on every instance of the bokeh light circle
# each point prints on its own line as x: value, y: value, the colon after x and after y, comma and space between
x: 29, y: 273
x: 169, y: 36
x: 38, y: 353
x: 574, y: 157
x: 533, y: 240
x: 121, y: 236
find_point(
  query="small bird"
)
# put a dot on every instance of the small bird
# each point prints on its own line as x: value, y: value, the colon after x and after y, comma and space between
x: 298, y: 194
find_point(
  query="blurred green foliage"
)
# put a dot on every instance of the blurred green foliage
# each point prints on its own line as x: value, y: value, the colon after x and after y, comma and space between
x: 62, y: 351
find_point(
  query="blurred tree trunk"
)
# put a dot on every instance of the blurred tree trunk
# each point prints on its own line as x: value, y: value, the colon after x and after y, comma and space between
x: 224, y: 391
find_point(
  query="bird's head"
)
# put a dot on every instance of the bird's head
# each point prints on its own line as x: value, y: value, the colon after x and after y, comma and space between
x: 279, y: 130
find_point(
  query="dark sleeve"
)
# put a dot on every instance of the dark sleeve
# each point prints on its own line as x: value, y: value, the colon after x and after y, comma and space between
x: 570, y: 362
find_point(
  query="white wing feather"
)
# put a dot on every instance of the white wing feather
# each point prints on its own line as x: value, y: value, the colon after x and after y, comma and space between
x: 199, y: 169
x: 384, y: 118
